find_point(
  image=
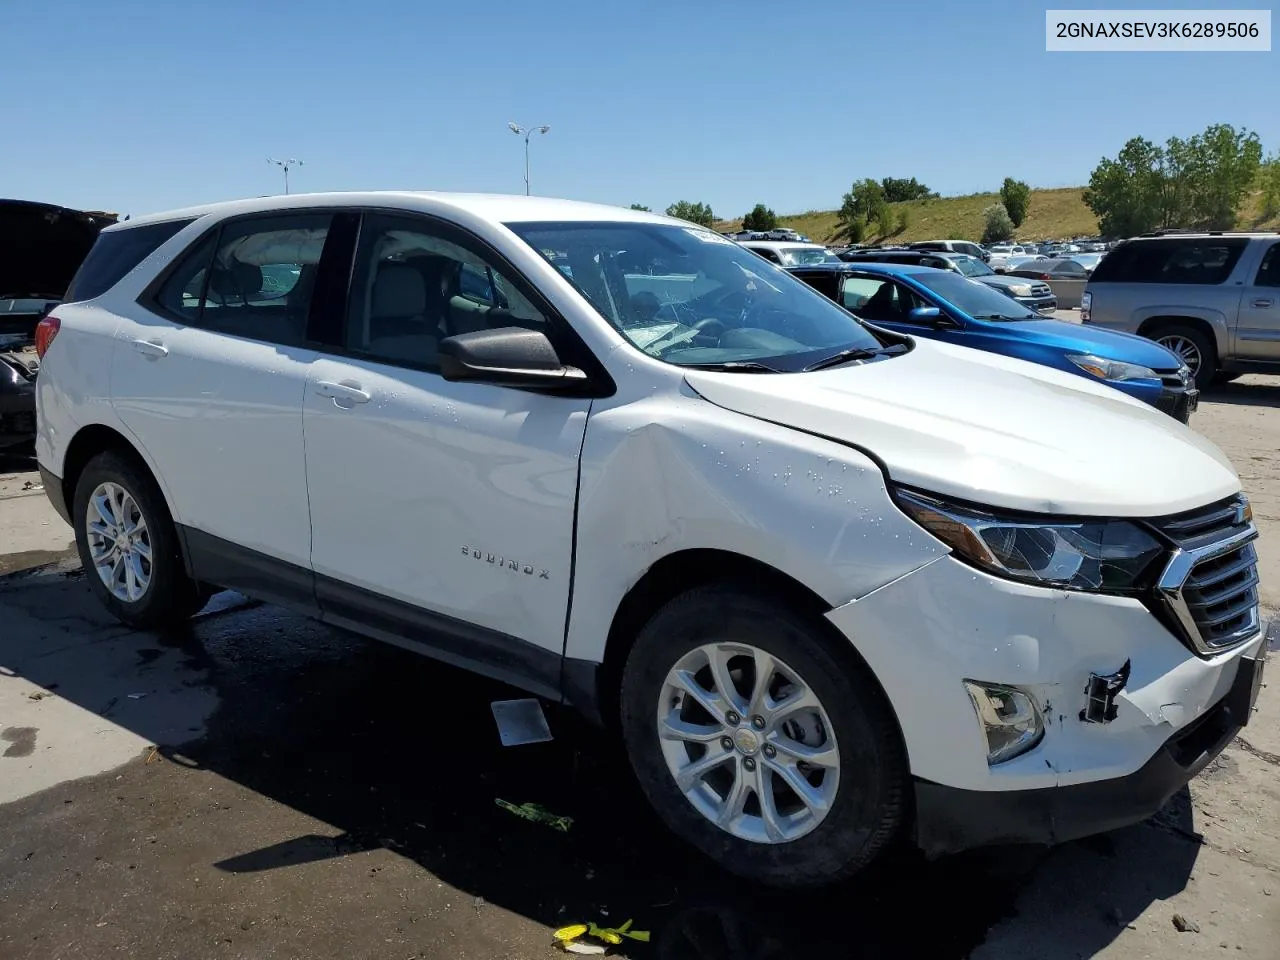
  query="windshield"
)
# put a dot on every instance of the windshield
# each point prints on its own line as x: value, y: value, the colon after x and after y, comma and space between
x: 974, y: 298
x: 972, y: 267
x: 690, y: 297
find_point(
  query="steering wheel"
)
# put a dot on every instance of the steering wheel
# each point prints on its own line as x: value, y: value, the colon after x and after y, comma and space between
x: 710, y: 330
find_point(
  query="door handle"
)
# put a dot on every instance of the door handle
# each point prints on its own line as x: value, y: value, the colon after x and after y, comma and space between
x: 151, y: 349
x: 344, y: 393
x: 1263, y: 302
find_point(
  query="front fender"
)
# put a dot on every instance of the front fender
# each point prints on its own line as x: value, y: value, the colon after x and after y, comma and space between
x: 669, y: 474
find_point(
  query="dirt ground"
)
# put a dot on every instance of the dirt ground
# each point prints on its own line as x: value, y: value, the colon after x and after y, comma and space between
x: 261, y: 786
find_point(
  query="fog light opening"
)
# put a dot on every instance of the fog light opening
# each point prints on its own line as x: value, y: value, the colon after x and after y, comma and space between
x: 1010, y: 719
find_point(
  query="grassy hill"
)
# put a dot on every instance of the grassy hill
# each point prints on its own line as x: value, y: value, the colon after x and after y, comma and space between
x: 1051, y: 215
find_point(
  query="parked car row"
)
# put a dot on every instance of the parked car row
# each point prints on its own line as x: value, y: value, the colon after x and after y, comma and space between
x: 833, y: 582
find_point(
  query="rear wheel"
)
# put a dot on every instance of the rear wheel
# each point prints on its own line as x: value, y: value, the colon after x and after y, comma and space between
x: 1193, y: 348
x: 759, y: 741
x: 128, y: 545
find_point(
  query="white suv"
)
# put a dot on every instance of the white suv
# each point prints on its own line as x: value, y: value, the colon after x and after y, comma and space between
x: 829, y: 583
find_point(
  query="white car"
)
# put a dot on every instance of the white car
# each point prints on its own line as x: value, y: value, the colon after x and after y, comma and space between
x: 790, y: 254
x: 832, y: 584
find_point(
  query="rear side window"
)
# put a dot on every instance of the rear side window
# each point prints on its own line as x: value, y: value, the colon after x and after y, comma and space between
x: 1269, y: 272
x: 115, y: 253
x: 1194, y: 260
x: 252, y: 278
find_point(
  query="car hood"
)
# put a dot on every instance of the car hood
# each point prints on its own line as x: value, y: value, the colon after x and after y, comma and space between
x: 1108, y: 344
x: 1002, y: 281
x: 42, y: 246
x: 993, y: 430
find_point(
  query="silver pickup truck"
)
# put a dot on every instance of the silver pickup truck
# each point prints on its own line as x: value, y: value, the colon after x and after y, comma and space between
x: 1212, y: 298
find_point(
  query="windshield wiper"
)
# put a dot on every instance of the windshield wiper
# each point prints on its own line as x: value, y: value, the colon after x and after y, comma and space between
x: 1004, y: 316
x: 855, y: 353
x: 734, y: 366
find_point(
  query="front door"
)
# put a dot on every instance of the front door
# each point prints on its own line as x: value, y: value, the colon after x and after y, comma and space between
x: 440, y: 511
x: 210, y: 382
x: 1258, y: 329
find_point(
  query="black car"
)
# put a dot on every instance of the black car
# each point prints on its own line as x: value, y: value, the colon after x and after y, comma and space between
x: 41, y: 248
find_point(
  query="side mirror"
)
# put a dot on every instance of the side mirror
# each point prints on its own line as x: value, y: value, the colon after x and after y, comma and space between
x: 509, y: 357
x: 926, y: 316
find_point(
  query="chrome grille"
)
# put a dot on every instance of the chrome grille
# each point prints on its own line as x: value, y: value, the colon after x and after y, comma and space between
x: 1040, y: 290
x: 1210, y: 584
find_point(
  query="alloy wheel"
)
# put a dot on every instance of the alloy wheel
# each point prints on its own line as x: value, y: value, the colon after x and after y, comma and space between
x: 1186, y: 350
x: 748, y: 742
x: 119, y: 542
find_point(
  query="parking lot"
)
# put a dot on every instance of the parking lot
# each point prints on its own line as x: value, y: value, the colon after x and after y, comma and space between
x: 263, y: 786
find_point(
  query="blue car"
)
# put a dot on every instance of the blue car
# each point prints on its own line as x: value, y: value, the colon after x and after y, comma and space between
x: 941, y: 305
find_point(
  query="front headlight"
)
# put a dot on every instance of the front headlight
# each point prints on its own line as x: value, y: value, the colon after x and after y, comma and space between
x: 1020, y: 289
x: 1102, y: 556
x: 1112, y: 369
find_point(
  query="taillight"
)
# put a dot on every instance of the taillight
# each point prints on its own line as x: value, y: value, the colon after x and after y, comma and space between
x: 46, y: 330
x: 1045, y: 276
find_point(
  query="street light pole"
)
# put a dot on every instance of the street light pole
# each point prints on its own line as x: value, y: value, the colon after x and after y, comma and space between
x: 526, y: 132
x: 284, y: 165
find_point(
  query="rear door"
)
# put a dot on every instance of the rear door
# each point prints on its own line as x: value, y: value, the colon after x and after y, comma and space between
x: 208, y: 374
x: 1258, y: 329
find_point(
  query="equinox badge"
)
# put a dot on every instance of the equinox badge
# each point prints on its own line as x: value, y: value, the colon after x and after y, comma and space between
x: 477, y: 554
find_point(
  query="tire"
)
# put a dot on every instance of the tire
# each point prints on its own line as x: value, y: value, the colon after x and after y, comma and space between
x: 868, y: 805
x: 1189, y: 343
x: 169, y: 596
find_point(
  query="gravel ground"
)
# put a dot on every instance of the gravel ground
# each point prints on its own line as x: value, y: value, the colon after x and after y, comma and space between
x: 261, y: 786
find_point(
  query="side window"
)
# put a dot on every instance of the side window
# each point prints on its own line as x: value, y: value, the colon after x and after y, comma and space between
x: 856, y: 291
x: 1269, y: 272
x: 413, y: 287
x: 115, y: 253
x: 769, y: 255
x: 183, y: 290
x: 1194, y: 260
x: 252, y: 279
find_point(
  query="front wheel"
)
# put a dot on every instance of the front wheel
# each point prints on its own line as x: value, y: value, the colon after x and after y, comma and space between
x: 128, y: 545
x: 759, y: 741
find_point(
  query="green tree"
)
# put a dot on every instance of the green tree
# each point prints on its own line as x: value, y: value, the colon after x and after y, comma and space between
x: 1127, y: 194
x: 863, y: 203
x: 999, y: 226
x: 1016, y: 196
x: 640, y: 206
x: 904, y: 220
x: 1269, y: 185
x: 699, y: 213
x: 760, y: 218
x: 1198, y: 182
x: 885, y: 221
x: 855, y: 231
x: 897, y: 189
x: 1222, y: 164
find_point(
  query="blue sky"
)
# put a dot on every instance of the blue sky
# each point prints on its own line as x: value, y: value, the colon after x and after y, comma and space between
x: 141, y: 105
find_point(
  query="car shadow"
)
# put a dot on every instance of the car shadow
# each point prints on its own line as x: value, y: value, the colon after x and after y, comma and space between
x: 399, y: 752
x: 1244, y: 394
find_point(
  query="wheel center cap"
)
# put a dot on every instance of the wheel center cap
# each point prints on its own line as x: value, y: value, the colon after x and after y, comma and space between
x: 747, y: 741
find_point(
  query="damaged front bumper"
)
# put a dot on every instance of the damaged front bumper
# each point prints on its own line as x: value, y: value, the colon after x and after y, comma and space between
x: 949, y: 820
x: 1130, y: 714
